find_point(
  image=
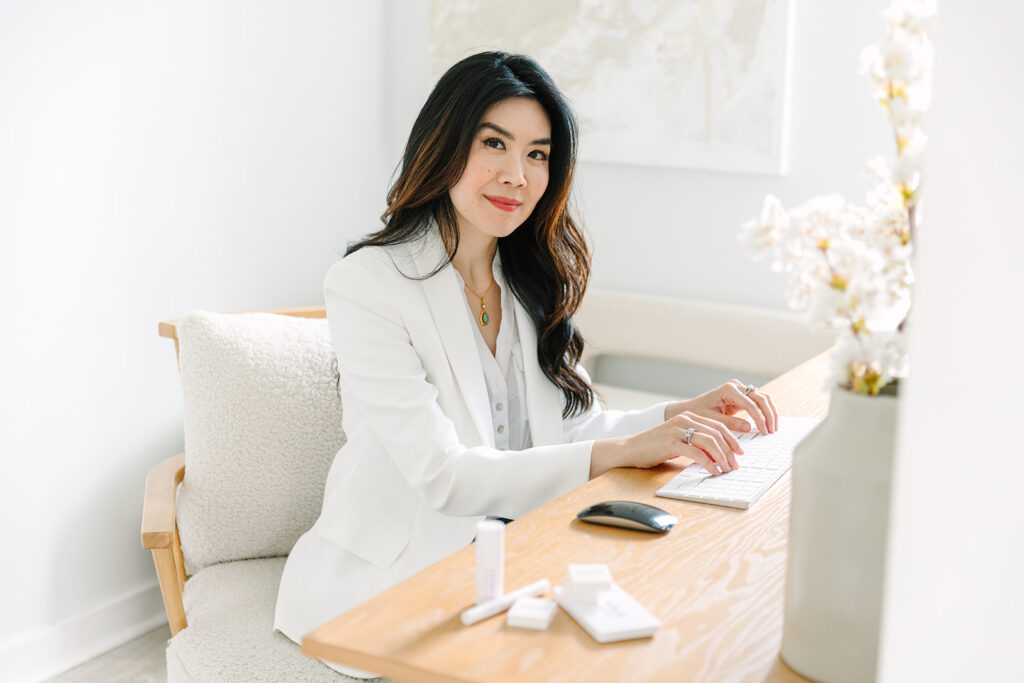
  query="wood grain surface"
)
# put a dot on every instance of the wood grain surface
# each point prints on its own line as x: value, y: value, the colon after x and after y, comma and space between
x: 715, y: 581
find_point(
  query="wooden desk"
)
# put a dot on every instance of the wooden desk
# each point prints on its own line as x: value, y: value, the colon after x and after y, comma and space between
x: 715, y: 581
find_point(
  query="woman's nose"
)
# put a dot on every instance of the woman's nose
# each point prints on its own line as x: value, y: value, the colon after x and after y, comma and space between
x: 513, y: 172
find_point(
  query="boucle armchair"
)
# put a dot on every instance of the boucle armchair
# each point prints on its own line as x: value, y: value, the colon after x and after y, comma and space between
x: 262, y: 423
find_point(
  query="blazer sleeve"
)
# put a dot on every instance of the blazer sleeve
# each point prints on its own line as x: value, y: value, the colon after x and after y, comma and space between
x: 384, y: 386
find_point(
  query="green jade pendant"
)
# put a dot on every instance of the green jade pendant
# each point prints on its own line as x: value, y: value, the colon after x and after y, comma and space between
x: 484, y: 318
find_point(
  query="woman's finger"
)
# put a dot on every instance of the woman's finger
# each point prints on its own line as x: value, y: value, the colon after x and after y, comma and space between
x: 762, y: 401
x: 692, y: 448
x: 713, y: 451
x: 737, y: 384
x: 713, y: 432
x: 762, y: 404
x: 771, y: 404
x: 726, y: 440
x: 702, y: 459
x: 752, y: 408
x: 733, y: 423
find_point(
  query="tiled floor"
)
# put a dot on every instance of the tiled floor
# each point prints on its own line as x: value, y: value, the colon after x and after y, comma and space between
x: 139, y: 661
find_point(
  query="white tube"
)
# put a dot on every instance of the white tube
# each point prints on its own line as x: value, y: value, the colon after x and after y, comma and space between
x: 490, y: 560
x: 499, y: 605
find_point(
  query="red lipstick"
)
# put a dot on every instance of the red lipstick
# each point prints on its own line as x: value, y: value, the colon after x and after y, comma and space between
x: 504, y: 203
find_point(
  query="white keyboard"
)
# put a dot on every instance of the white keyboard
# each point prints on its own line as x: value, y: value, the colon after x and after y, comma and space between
x: 765, y: 457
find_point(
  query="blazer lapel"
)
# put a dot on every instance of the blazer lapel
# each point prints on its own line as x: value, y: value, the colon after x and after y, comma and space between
x: 455, y: 329
x: 543, y: 400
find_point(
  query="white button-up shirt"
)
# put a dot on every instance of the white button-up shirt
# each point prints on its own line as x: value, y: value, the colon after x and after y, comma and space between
x: 504, y: 371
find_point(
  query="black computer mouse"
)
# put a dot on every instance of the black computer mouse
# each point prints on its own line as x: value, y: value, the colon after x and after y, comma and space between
x: 629, y: 515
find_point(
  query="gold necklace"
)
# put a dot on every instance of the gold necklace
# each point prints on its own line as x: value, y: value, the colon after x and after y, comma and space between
x: 484, y: 318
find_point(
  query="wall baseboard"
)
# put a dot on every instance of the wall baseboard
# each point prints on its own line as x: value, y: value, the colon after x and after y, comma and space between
x: 46, y: 652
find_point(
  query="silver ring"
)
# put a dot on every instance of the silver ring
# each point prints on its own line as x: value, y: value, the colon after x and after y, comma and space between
x: 748, y: 389
x: 689, y: 435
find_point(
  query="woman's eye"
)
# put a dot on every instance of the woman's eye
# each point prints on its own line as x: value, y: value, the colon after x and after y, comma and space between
x: 539, y: 155
x: 496, y: 143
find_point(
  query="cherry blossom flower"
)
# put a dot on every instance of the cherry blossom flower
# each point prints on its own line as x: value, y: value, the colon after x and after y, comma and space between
x: 850, y: 266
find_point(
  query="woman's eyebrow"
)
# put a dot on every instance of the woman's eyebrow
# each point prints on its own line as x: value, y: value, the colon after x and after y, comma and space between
x: 499, y: 129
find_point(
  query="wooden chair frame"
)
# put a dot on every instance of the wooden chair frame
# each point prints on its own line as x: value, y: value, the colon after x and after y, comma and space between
x: 159, y: 525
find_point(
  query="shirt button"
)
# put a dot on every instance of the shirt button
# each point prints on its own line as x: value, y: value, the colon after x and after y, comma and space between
x: 499, y: 406
x: 501, y: 429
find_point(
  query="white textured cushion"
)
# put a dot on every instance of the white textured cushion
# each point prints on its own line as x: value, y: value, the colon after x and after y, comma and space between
x: 230, y: 634
x: 262, y: 425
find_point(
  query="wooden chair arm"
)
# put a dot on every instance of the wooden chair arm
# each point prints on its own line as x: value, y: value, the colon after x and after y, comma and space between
x: 169, y: 328
x: 158, y: 504
x: 160, y: 536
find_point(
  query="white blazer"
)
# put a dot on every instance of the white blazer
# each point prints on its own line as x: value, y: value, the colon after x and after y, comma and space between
x: 420, y: 468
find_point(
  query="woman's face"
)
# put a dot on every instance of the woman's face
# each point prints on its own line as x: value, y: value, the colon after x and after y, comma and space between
x: 507, y: 169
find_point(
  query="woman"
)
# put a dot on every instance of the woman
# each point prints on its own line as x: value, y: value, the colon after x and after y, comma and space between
x: 461, y: 392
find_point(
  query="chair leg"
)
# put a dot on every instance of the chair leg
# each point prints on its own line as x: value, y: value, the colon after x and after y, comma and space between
x: 167, y: 574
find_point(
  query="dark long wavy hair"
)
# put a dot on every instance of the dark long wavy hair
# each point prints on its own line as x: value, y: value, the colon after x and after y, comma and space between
x: 546, y: 260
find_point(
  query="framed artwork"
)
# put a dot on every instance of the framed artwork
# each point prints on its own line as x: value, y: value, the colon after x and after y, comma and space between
x: 687, y: 83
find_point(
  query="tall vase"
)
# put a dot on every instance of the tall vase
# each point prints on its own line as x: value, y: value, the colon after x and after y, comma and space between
x: 839, y: 519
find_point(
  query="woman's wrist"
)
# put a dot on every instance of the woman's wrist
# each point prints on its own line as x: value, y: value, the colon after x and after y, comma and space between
x: 607, y: 454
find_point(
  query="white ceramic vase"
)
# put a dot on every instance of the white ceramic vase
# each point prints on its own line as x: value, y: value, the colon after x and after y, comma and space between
x: 839, y: 519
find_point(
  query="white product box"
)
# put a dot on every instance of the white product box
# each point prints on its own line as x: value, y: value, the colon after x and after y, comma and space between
x: 586, y: 582
x: 614, y: 616
x: 532, y: 613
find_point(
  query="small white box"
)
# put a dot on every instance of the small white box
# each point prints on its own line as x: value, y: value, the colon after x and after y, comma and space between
x: 615, y: 616
x: 532, y: 613
x: 587, y: 582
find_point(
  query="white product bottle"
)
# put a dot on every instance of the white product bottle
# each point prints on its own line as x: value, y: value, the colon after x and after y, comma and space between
x: 490, y: 560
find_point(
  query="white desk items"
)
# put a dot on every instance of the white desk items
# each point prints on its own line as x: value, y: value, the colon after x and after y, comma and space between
x: 535, y: 613
x: 490, y: 579
x: 765, y: 458
x: 586, y: 582
x: 498, y: 605
x: 490, y: 560
x: 601, y: 608
x: 604, y: 610
x: 628, y: 514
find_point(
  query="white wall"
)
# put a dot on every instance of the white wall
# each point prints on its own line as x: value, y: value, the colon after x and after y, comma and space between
x: 154, y: 157
x: 674, y: 231
x: 954, y: 591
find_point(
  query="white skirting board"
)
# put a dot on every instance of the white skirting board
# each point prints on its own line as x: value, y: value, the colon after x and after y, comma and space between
x: 46, y: 652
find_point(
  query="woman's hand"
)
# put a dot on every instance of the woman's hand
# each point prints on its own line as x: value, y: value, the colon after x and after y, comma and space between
x: 712, y: 418
x: 711, y: 444
x: 721, y: 403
